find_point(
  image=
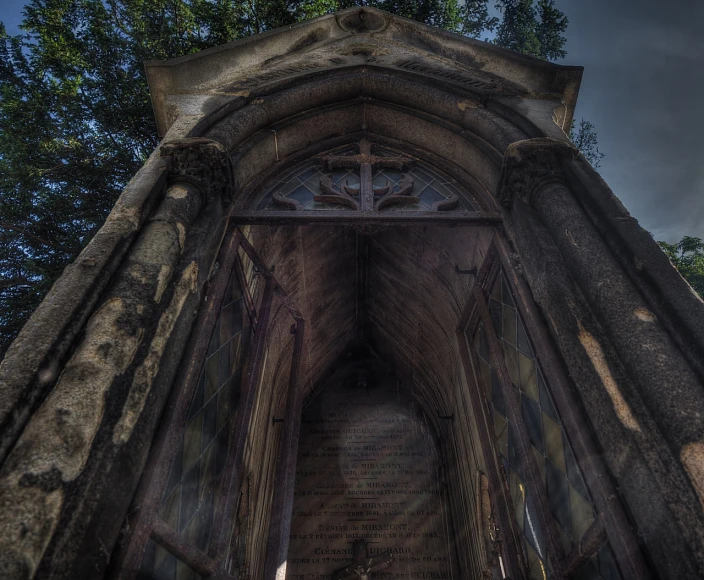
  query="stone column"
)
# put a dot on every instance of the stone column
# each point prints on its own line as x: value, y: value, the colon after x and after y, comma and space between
x: 67, y: 483
x: 600, y: 320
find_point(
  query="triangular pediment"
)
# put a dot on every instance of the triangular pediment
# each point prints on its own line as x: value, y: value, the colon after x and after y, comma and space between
x: 364, y: 39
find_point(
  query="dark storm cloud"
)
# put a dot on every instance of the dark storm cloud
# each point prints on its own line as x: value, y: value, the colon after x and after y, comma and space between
x: 643, y: 78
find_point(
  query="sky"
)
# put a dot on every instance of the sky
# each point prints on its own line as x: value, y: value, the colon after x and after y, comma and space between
x: 643, y: 76
x: 643, y: 72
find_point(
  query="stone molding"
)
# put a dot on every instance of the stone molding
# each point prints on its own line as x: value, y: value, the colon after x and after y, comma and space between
x: 225, y: 74
x: 529, y: 166
x: 363, y: 20
x: 201, y: 162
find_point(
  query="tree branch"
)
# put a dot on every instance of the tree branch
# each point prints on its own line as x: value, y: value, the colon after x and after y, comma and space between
x: 13, y: 283
x: 23, y: 231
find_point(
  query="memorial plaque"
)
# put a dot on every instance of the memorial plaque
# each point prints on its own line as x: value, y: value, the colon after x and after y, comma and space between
x: 368, y: 470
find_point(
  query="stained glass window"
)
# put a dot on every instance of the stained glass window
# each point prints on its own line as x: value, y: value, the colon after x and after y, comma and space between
x: 190, y: 497
x: 568, y: 497
x: 298, y: 187
x: 429, y: 185
x: 302, y: 183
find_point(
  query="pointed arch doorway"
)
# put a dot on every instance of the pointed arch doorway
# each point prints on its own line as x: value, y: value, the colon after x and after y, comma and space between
x: 378, y: 347
x: 400, y: 437
x: 377, y: 420
x: 405, y: 256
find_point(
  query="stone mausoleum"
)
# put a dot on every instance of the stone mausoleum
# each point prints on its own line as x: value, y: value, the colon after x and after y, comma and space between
x: 365, y: 313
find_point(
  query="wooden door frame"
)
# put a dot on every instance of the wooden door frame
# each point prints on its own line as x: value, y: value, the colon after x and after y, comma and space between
x: 611, y: 523
x: 145, y: 522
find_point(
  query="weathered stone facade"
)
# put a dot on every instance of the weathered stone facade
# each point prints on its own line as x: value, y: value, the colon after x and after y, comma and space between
x: 94, y: 392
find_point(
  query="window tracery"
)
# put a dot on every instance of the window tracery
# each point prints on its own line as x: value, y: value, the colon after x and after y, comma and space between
x: 569, y: 500
x: 365, y: 177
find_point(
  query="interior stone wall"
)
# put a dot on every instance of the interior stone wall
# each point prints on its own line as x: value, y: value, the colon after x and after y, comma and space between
x: 316, y: 267
x: 369, y: 467
x: 262, y: 450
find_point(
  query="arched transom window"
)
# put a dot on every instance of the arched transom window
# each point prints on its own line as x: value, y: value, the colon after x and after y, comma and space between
x: 365, y: 177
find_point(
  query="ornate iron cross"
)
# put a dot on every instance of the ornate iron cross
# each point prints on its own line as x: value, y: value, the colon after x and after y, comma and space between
x: 362, y: 565
x: 365, y: 196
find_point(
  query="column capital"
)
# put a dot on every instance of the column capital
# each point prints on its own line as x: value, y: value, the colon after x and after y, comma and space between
x: 201, y: 162
x: 530, y: 165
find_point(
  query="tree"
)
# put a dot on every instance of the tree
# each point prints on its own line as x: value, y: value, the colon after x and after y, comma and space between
x: 76, y: 120
x: 687, y: 256
x: 551, y: 26
x: 535, y: 30
x: 585, y: 140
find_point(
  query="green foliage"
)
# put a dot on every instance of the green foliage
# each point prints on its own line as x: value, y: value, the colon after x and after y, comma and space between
x: 551, y: 25
x: 76, y: 120
x: 471, y: 18
x: 532, y: 29
x: 687, y: 256
x: 585, y: 139
x: 537, y: 29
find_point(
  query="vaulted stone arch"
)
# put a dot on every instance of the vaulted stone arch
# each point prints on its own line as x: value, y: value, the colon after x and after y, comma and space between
x: 101, y: 384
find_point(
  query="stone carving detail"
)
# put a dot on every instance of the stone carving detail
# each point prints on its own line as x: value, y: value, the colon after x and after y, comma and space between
x: 530, y: 165
x: 201, y: 162
x: 366, y: 197
x: 285, y: 72
x: 362, y: 565
x: 366, y: 193
x: 283, y: 201
x: 362, y: 21
x: 482, y: 85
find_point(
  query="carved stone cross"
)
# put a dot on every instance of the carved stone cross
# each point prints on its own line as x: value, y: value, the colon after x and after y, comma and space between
x: 362, y: 566
x: 366, y: 192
